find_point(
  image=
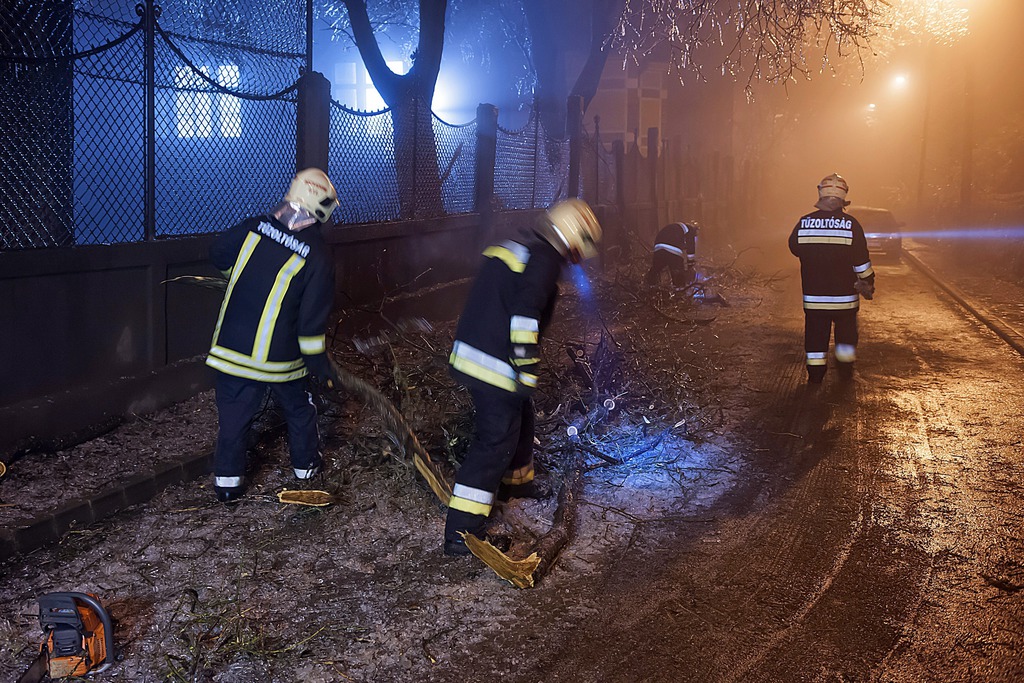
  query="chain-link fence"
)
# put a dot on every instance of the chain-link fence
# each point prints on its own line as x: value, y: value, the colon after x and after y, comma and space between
x: 83, y: 162
x: 123, y: 122
x: 597, y: 170
x: 432, y: 173
x: 531, y: 168
x: 456, y: 157
x: 225, y: 110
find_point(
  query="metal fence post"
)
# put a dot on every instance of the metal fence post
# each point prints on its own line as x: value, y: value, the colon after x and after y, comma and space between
x: 486, y: 154
x: 150, y: 13
x: 313, y: 122
x: 652, y: 159
x: 309, y: 36
x: 536, y: 153
x: 574, y: 123
x: 597, y: 159
x: 619, y: 152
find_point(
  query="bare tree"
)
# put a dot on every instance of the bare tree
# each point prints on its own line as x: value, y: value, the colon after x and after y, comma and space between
x: 410, y: 96
x: 567, y: 47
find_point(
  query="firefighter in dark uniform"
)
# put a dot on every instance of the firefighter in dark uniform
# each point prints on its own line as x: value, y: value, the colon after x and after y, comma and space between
x: 835, y: 271
x: 496, y: 356
x: 675, y: 249
x: 271, y: 328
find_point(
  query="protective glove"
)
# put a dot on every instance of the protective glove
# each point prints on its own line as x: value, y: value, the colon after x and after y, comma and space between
x: 865, y: 288
x: 323, y: 373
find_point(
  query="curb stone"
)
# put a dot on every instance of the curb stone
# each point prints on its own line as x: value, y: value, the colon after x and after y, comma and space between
x: 1004, y: 331
x: 32, y: 534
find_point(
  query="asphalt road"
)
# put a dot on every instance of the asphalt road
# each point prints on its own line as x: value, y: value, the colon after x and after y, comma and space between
x: 876, y: 537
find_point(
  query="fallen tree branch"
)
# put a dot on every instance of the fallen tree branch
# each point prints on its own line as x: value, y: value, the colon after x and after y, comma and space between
x: 526, y: 572
x: 436, y: 476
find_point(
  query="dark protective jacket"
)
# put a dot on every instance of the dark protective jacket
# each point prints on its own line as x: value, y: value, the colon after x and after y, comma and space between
x: 279, y: 295
x: 833, y: 255
x: 679, y: 239
x: 497, y: 341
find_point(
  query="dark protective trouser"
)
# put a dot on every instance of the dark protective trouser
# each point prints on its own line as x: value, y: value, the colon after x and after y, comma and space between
x: 502, y: 450
x: 680, y: 270
x: 817, y: 330
x: 238, y: 400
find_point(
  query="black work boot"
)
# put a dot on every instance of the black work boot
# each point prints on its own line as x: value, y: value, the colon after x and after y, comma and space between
x: 456, y: 547
x: 457, y: 523
x: 816, y: 373
x: 228, y: 494
x: 845, y: 370
x: 535, y: 490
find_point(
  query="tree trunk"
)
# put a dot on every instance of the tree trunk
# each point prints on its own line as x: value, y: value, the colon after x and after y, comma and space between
x: 419, y: 180
x: 410, y: 97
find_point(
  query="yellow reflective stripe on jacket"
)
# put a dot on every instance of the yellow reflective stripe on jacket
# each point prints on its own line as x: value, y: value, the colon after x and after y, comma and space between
x: 528, y: 380
x: 248, y: 246
x: 669, y: 248
x: 525, y: 361
x: 830, y: 302
x: 864, y: 270
x: 248, y: 361
x: 229, y: 368
x: 272, y: 308
x: 313, y: 345
x: 514, y: 263
x: 822, y: 239
x: 484, y: 367
x: 524, y: 330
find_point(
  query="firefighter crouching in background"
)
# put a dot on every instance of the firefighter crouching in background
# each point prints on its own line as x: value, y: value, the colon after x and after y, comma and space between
x: 496, y: 356
x: 835, y: 271
x: 271, y: 328
x: 675, y: 249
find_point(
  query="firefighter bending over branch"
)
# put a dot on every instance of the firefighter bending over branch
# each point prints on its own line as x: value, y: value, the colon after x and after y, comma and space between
x: 271, y: 328
x: 675, y: 249
x: 496, y: 356
x: 835, y: 271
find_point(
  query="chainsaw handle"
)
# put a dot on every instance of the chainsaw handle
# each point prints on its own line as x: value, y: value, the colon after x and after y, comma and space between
x: 108, y: 626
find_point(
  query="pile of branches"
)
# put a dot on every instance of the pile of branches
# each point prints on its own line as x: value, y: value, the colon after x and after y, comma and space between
x: 612, y: 368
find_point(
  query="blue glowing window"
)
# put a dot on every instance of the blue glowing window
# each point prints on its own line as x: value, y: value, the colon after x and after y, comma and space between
x: 353, y: 86
x: 202, y: 114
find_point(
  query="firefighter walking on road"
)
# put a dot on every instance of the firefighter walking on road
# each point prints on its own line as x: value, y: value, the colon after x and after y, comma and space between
x: 675, y: 250
x: 835, y: 271
x: 496, y: 355
x: 271, y: 329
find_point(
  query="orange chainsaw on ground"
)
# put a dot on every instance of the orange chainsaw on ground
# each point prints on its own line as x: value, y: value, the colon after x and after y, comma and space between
x: 79, y: 638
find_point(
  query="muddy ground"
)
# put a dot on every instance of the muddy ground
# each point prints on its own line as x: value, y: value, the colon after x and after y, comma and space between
x: 360, y: 590
x: 736, y: 524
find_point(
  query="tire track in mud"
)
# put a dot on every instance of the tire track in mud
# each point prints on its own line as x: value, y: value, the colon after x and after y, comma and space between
x: 825, y: 562
x: 769, y: 590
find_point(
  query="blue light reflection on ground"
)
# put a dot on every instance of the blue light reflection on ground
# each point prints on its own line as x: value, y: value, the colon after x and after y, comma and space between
x: 585, y: 289
x: 1009, y: 232
x: 655, y: 481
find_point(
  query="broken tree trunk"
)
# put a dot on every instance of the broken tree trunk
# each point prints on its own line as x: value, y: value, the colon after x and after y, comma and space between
x: 526, y: 572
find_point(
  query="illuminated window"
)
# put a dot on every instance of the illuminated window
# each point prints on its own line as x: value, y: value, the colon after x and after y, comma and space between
x: 229, y: 107
x: 353, y: 86
x: 195, y: 108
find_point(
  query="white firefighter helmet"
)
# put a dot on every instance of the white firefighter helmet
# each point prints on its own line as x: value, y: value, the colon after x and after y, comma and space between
x: 833, y: 185
x: 575, y: 231
x: 313, y: 191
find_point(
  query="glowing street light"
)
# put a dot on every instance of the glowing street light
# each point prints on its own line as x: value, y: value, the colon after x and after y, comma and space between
x: 899, y: 82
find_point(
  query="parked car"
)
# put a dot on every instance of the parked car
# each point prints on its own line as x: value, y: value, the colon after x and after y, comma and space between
x: 881, y: 229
